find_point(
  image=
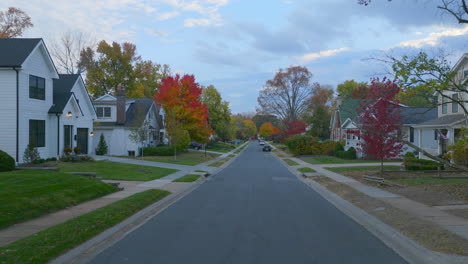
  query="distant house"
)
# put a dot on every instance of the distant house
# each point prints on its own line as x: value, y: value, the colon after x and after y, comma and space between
x: 39, y: 106
x: 345, y: 122
x: 438, y: 133
x: 117, y: 115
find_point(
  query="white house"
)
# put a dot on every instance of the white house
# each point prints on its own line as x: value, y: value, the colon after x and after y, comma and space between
x: 437, y: 134
x: 118, y: 115
x: 38, y: 105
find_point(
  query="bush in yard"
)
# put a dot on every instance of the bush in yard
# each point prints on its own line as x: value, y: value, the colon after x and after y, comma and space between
x: 459, y: 150
x: 7, y: 163
x: 77, y: 150
x: 422, y: 164
x: 158, y: 151
x: 409, y: 155
x: 31, y: 154
x: 339, y: 147
x: 302, y: 144
x: 348, y: 154
x: 102, y: 146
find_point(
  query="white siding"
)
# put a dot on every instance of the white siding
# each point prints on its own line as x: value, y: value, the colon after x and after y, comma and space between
x: 8, y: 111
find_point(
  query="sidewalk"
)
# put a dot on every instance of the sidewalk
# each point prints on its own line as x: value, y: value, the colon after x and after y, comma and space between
x: 21, y: 230
x: 454, y: 224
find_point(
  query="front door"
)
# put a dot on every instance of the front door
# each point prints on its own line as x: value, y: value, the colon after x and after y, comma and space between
x: 82, y: 140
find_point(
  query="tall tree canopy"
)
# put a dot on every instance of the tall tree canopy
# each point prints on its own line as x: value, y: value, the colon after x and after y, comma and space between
x: 319, y: 114
x: 260, y: 119
x: 288, y: 94
x: 66, y: 51
x: 13, y: 22
x: 348, y: 88
x: 251, y: 130
x: 180, y: 99
x: 218, y: 110
x: 116, y: 64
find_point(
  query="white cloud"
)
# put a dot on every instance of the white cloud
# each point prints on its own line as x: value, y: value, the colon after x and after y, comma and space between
x: 434, y: 37
x: 317, y: 55
x: 156, y: 32
x: 167, y: 15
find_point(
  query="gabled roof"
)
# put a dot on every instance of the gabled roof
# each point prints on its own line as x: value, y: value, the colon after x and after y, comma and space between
x: 137, y: 112
x: 349, y: 108
x: 444, y: 121
x: 416, y: 115
x: 460, y: 61
x: 14, y: 51
x: 62, y: 91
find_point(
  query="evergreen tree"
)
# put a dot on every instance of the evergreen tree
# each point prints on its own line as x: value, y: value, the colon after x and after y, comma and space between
x: 102, y: 146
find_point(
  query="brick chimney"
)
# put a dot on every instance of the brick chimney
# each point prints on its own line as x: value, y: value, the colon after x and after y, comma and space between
x: 121, y: 102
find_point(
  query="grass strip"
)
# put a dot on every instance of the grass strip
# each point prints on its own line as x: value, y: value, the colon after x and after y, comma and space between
x: 291, y: 162
x: 364, y: 168
x: 188, y: 178
x: 219, y: 163
x: 27, y: 194
x: 52, y: 242
x: 117, y: 171
x: 334, y: 160
x: 305, y: 169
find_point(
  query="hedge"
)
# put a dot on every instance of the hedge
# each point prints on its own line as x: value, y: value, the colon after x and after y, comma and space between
x: 348, y: 154
x: 422, y: 164
x: 7, y: 163
x: 309, y: 145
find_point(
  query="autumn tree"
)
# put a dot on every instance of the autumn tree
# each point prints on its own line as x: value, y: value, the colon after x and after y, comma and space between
x: 251, y: 128
x: 260, y: 119
x: 67, y: 51
x: 381, y: 117
x: 218, y: 110
x: 266, y: 129
x: 291, y: 128
x: 349, y: 87
x: 237, y: 127
x: 13, y: 22
x: 180, y: 99
x: 114, y: 64
x: 318, y: 116
x: 288, y: 94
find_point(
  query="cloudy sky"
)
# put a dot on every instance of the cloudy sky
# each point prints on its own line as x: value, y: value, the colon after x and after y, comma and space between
x: 238, y: 44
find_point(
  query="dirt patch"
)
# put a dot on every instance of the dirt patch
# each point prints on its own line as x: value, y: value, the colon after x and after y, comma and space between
x: 424, y: 232
x: 428, y: 194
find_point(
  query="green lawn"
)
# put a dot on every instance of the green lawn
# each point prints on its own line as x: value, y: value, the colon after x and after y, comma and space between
x: 188, y: 178
x: 219, y: 163
x: 365, y: 168
x: 52, y: 242
x: 305, y: 169
x: 190, y: 158
x: 221, y: 147
x: 27, y: 194
x: 116, y: 171
x: 241, y: 148
x: 291, y: 162
x: 334, y: 160
x: 421, y: 181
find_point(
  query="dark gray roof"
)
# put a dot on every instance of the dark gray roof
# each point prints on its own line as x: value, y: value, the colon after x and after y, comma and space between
x: 137, y: 111
x: 416, y: 115
x: 14, y: 51
x: 62, y: 91
x: 444, y: 120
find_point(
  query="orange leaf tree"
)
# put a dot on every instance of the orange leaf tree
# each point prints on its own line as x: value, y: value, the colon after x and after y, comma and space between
x: 180, y: 99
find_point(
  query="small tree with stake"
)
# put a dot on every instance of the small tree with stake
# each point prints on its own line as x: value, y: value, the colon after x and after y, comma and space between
x: 380, y: 116
x: 140, y: 134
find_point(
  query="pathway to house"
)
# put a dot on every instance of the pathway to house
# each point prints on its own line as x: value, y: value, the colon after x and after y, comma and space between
x: 21, y: 230
x: 454, y: 224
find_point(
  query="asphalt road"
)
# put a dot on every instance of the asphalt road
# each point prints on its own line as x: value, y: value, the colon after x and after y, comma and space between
x: 254, y: 211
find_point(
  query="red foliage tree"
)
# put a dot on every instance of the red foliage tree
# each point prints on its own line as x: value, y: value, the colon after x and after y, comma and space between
x: 380, y: 121
x: 292, y: 128
x: 180, y: 98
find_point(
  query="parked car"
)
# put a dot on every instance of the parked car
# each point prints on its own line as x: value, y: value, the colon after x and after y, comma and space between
x: 267, y: 148
x: 196, y: 145
x: 262, y: 143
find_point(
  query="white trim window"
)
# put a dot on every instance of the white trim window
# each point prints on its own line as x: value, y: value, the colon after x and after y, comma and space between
x: 103, y: 112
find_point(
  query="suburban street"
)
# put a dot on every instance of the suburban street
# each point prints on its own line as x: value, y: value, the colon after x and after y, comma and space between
x: 254, y: 211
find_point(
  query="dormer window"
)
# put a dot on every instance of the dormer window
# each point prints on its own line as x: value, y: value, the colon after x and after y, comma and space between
x: 455, y: 103
x: 103, y: 112
x: 444, y: 105
x: 36, y: 87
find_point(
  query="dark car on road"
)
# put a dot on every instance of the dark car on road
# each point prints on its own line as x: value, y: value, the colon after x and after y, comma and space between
x: 196, y: 145
x: 266, y: 148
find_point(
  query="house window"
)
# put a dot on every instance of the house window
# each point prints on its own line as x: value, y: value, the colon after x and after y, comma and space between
x: 444, y: 105
x: 131, y: 153
x: 36, y: 87
x: 465, y: 74
x: 435, y: 134
x: 411, y: 134
x: 37, y: 133
x: 454, y: 103
x: 67, y: 136
x: 103, y: 112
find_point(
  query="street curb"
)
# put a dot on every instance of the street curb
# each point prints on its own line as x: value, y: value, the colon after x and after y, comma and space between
x: 92, y: 247
x: 401, y: 244
x: 227, y: 163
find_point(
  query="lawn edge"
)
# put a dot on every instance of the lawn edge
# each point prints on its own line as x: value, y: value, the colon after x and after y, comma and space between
x: 407, y: 248
x: 94, y: 246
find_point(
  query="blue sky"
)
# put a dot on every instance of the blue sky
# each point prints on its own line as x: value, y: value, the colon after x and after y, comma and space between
x: 237, y: 45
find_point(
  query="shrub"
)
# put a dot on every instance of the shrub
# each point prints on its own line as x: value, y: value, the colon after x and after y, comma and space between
x: 102, y: 146
x: 67, y: 150
x: 302, y: 145
x: 158, y: 151
x: 31, y: 154
x: 348, y: 154
x: 77, y: 150
x: 7, y: 163
x: 339, y: 147
x: 422, y: 164
x: 409, y: 155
